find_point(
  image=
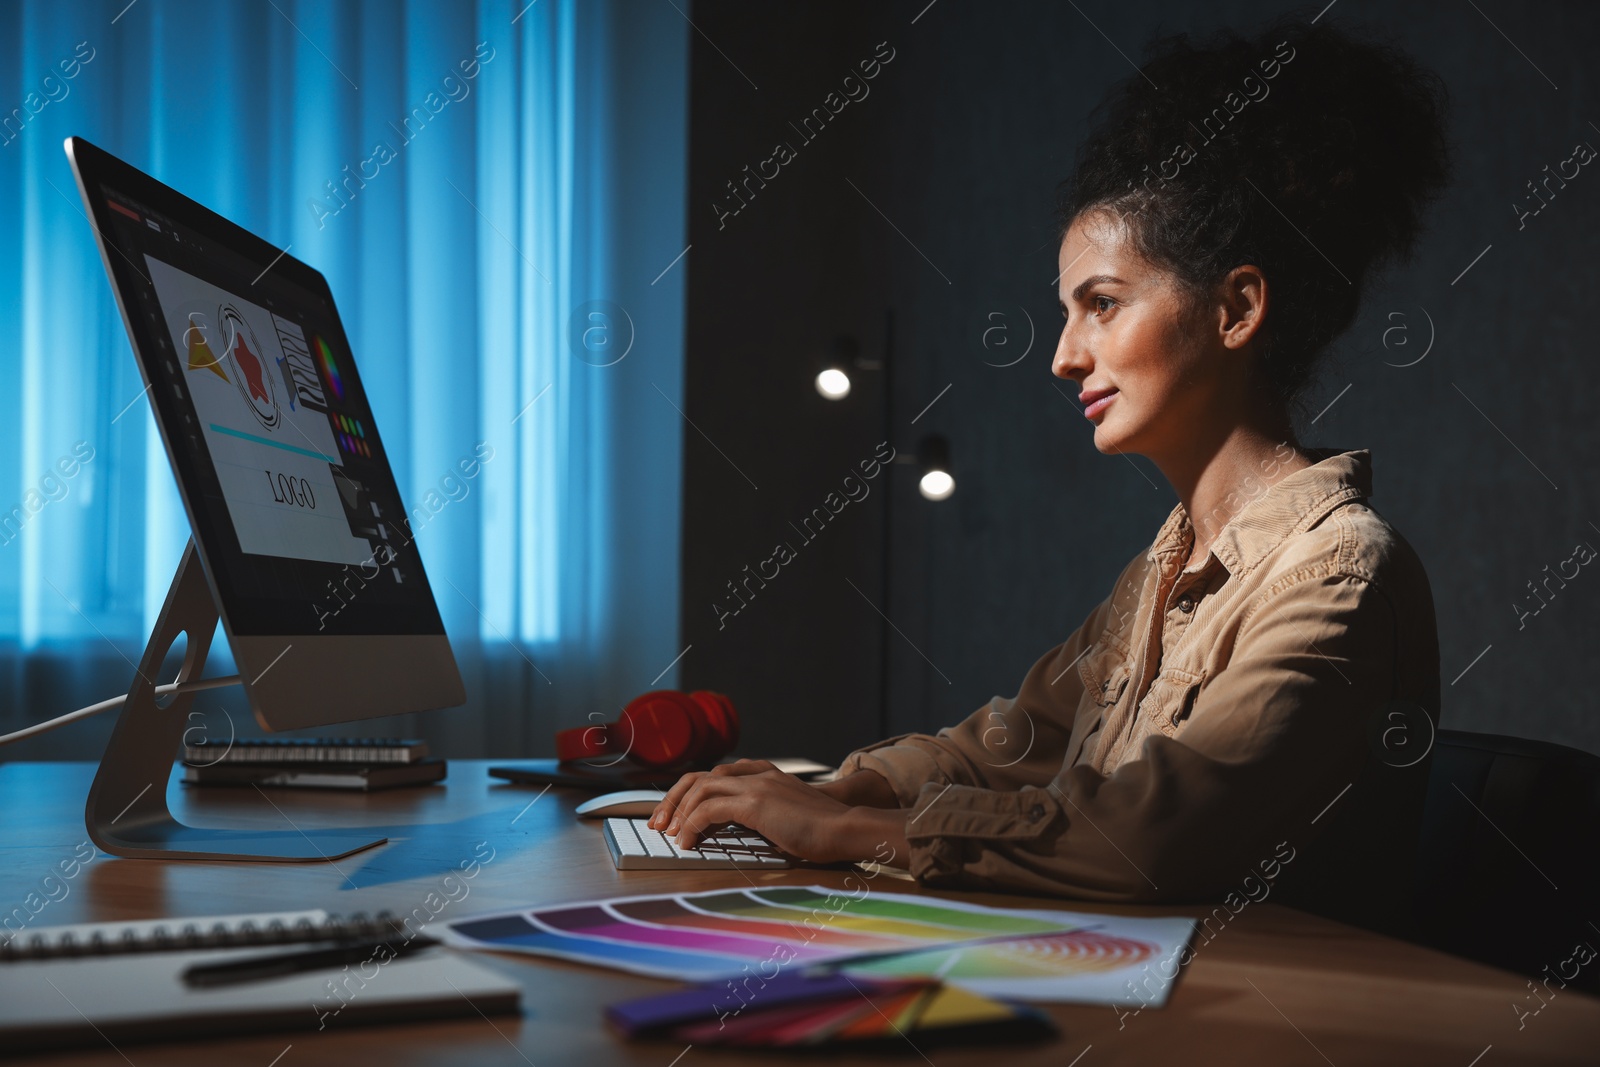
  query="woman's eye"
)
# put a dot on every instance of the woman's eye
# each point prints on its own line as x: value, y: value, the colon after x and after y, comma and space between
x: 1107, y: 299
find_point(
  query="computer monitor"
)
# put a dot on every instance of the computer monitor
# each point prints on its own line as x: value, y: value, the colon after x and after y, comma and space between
x: 300, y: 540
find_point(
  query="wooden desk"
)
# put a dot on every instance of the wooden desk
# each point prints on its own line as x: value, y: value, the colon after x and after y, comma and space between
x: 1274, y: 986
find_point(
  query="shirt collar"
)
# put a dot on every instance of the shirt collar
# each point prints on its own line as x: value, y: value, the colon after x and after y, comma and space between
x: 1289, y: 506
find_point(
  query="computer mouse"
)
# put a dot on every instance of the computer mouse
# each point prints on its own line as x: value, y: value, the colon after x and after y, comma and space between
x: 634, y: 803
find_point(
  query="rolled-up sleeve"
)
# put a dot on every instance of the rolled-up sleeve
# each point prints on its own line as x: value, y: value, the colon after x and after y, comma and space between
x: 1271, y: 740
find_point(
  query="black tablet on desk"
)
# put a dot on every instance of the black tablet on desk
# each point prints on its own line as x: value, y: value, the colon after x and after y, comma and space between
x: 626, y: 775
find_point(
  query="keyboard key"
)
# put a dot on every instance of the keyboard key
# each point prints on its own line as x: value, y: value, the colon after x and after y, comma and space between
x: 619, y: 831
x: 634, y: 846
x: 726, y: 842
x: 656, y: 845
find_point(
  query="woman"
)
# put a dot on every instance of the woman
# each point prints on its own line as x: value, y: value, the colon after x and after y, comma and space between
x: 1251, y: 705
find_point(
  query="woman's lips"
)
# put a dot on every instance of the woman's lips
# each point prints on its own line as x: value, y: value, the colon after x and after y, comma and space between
x: 1100, y: 405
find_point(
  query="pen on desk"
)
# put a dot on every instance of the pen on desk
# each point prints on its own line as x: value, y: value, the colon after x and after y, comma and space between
x: 256, y: 968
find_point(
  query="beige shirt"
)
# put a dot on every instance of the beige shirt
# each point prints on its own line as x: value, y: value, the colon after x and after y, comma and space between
x: 1276, y: 699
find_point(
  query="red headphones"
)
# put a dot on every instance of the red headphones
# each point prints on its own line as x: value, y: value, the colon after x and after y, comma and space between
x: 662, y: 728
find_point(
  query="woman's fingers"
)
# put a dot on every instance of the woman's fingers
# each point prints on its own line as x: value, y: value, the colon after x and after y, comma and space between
x: 668, y: 810
x: 708, y: 785
x: 711, y: 811
x: 669, y: 803
x: 779, y: 807
x: 661, y: 818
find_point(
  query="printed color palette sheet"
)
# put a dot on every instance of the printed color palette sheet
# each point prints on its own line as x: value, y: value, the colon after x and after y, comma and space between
x: 752, y: 934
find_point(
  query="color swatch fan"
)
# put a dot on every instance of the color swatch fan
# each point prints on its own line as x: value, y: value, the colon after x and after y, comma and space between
x: 995, y: 952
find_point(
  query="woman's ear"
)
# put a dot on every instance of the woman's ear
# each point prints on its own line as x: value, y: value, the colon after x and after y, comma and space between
x: 1244, y: 297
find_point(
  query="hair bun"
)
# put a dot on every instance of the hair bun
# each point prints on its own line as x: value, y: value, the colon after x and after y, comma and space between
x: 1304, y: 149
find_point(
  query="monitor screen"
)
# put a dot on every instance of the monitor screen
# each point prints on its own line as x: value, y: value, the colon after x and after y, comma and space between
x: 280, y: 461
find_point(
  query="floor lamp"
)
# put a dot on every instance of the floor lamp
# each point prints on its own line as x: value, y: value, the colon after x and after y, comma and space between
x: 834, y: 381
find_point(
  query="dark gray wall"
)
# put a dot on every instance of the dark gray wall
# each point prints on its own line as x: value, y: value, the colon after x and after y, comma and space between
x: 769, y: 289
x: 1484, y: 452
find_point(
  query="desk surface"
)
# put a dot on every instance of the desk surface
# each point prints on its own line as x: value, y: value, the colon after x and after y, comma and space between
x: 1273, y: 986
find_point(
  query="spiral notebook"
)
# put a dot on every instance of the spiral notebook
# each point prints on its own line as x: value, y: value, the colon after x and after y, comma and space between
x: 100, y: 983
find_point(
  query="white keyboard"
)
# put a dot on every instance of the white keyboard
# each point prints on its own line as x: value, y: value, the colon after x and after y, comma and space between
x: 635, y: 847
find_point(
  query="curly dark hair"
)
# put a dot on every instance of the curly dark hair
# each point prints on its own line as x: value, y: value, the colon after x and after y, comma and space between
x: 1304, y: 149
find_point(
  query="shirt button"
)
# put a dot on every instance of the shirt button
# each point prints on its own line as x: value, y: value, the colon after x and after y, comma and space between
x: 1186, y: 603
x: 1036, y: 812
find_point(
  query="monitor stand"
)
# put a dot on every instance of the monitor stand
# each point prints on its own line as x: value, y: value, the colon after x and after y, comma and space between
x: 127, y: 813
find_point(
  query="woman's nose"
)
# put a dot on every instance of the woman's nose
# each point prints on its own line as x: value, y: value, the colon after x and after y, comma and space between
x: 1066, y: 360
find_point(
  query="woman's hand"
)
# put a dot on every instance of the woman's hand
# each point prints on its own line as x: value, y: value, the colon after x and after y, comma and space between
x: 798, y: 818
x: 862, y: 788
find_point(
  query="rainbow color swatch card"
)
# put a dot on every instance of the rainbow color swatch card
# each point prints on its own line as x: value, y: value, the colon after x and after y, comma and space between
x: 749, y: 935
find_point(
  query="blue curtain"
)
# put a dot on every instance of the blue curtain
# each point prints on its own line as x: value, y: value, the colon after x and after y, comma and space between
x: 494, y: 190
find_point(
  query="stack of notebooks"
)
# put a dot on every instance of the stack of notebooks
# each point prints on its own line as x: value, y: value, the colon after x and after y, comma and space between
x: 803, y: 1008
x: 361, y: 763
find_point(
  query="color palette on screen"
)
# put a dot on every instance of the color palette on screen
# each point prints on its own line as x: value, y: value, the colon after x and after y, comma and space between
x: 330, y: 369
x: 351, y: 434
